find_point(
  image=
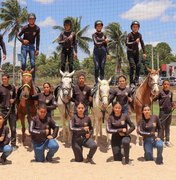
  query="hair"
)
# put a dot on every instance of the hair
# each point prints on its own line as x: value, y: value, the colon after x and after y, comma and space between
x: 122, y: 76
x: 166, y: 80
x: 47, y: 84
x: 42, y: 106
x: 2, y: 115
x: 80, y: 102
x: 143, y: 107
x: 6, y: 75
x: 81, y: 74
x: 113, y: 105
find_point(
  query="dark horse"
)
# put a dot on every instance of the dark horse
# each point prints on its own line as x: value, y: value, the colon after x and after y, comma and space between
x: 24, y: 105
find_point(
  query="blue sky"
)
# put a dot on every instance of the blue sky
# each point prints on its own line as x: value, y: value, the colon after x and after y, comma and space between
x: 157, y: 18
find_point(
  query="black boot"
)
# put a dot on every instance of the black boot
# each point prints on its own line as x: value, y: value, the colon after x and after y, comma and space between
x: 89, y: 160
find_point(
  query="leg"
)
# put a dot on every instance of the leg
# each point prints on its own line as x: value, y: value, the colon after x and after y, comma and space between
x: 116, y: 147
x: 7, y: 150
x: 132, y: 66
x: 167, y: 128
x: 32, y: 60
x: 77, y: 150
x: 96, y: 64
x: 102, y: 63
x: 159, y: 146
x: 23, y: 129
x: 0, y: 58
x: 93, y: 147
x: 63, y: 61
x: 126, y: 146
x: 53, y: 146
x: 148, y: 149
x: 39, y: 152
x: 24, y: 57
x: 162, y: 117
x: 70, y: 60
x: 138, y: 67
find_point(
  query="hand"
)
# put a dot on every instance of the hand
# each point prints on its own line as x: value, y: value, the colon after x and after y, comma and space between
x: 144, y: 56
x: 86, y: 128
x: 25, y: 42
x: 87, y: 136
x: 69, y: 97
x: 47, y: 131
x: 49, y: 137
x: 157, y: 139
x: 174, y: 106
x: 124, y: 130
x: 4, y: 57
x: 130, y: 99
x: 70, y: 37
x: 90, y: 98
x: 138, y: 40
x: 12, y: 101
x: 121, y: 134
x: 75, y: 56
x: 106, y: 41
x: 1, y: 138
x: 36, y: 53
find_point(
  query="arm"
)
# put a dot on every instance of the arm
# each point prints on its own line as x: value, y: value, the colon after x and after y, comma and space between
x: 142, y: 44
x: 61, y: 39
x: 109, y: 128
x: 73, y: 128
x: 53, y: 104
x: 130, y: 123
x: 34, y: 131
x: 90, y: 127
x: 159, y: 128
x: 95, y: 40
x: 112, y: 95
x: 34, y: 97
x: 38, y: 40
x: 3, y: 46
x: 20, y: 34
x: 74, y: 43
x: 141, y: 130
x: 128, y: 43
x: 6, y: 136
x: 55, y: 128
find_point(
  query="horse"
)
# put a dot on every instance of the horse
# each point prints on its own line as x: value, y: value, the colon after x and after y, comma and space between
x: 101, y: 109
x: 65, y: 106
x: 24, y: 105
x: 145, y: 94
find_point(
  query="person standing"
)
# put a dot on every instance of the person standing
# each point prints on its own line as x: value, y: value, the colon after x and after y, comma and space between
x: 2, y: 44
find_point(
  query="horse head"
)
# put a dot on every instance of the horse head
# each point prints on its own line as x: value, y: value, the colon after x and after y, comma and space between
x: 26, y: 84
x: 104, y: 89
x: 66, y: 82
x: 153, y: 81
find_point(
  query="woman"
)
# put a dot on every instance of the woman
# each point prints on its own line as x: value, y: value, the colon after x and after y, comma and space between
x: 47, y: 98
x: 118, y: 125
x: 122, y: 94
x: 82, y: 129
x: 148, y: 127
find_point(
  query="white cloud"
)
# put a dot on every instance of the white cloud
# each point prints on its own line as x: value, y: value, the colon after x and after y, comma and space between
x: 147, y: 10
x: 45, y: 1
x: 165, y: 18
x: 174, y: 18
x: 49, y: 21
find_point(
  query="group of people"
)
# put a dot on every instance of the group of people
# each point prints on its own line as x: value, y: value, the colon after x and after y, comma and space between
x: 154, y: 130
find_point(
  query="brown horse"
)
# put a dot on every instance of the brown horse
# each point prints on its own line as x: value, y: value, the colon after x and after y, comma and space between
x: 24, y: 105
x: 145, y: 93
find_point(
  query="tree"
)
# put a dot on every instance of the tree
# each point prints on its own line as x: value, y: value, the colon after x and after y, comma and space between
x: 82, y: 39
x: 12, y: 17
x: 117, y: 43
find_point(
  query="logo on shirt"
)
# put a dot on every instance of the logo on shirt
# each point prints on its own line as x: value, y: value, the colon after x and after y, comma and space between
x: 154, y: 124
x: 47, y: 101
x: 84, y: 92
x: 122, y: 122
x: 34, y: 33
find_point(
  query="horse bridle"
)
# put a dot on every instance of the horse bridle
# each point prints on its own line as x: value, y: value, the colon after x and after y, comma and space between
x: 26, y: 85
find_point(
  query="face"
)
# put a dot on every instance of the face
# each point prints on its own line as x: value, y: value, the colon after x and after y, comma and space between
x: 67, y: 27
x: 117, y: 109
x: 166, y: 85
x: 31, y: 21
x: 1, y: 120
x: 80, y: 109
x: 5, y: 80
x: 81, y: 80
x: 146, y: 111
x: 122, y: 82
x: 46, y: 88
x: 42, y: 113
x: 135, y: 28
x: 99, y: 27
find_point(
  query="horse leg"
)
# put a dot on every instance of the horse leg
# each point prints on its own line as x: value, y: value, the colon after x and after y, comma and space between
x: 97, y: 129
x: 100, y: 123
x: 138, y: 137
x: 23, y: 129
x: 64, y: 130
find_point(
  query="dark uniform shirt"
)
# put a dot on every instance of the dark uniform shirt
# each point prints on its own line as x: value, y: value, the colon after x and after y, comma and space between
x: 148, y: 127
x: 132, y: 45
x: 68, y: 43
x: 30, y: 33
x: 99, y: 39
x: 121, y: 95
x: 165, y: 100
x: 81, y: 94
x: 4, y: 131
x: 2, y: 44
x: 38, y: 129
x: 116, y: 124
x: 7, y: 93
x: 77, y: 125
x: 48, y: 100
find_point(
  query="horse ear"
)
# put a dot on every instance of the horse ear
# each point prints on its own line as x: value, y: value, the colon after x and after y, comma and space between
x: 61, y: 73
x: 99, y: 80
x: 149, y: 70
x: 71, y: 74
x: 109, y: 80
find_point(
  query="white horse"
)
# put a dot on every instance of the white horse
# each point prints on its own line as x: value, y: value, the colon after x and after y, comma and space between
x: 101, y: 109
x: 64, y: 104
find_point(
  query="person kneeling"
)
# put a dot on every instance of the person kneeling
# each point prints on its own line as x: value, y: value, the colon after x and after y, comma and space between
x: 5, y: 148
x: 147, y: 128
x: 40, y: 129
x: 82, y: 129
x: 118, y: 125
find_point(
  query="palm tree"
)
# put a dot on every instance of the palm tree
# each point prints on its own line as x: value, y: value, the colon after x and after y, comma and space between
x: 117, y: 43
x: 82, y: 39
x: 12, y: 17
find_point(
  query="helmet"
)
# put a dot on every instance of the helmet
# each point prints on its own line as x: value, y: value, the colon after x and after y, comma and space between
x: 135, y: 23
x: 31, y: 15
x: 98, y: 22
x: 67, y: 21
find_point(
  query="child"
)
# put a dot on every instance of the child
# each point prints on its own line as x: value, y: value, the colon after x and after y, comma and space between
x: 132, y: 41
x: 69, y: 46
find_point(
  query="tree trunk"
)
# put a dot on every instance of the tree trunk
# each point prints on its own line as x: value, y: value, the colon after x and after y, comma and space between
x: 14, y: 60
